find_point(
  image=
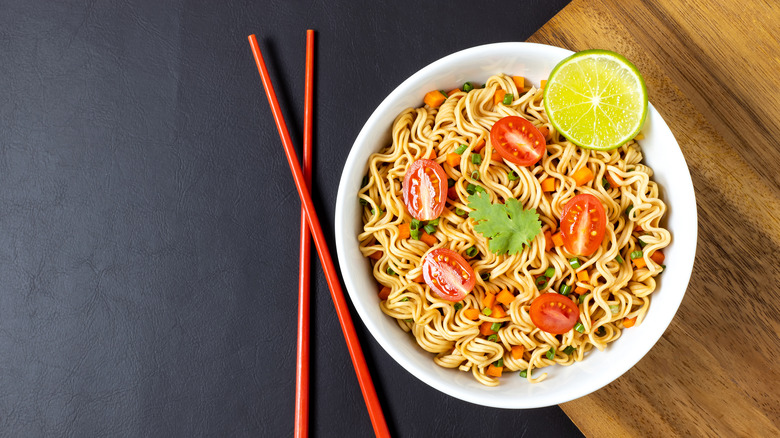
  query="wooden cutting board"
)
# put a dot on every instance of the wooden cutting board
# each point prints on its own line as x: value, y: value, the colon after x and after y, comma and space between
x: 713, y: 72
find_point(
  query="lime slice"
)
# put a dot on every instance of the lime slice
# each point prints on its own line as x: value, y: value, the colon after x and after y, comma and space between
x: 597, y: 99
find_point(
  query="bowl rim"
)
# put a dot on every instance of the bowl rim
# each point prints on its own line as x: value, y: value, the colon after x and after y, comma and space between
x: 342, y: 239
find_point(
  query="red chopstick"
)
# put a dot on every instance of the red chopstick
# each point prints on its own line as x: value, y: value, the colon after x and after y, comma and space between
x: 342, y: 310
x: 302, y: 364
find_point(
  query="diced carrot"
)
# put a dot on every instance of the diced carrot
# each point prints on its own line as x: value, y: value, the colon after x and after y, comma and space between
x: 419, y: 279
x: 498, y: 311
x: 548, y: 243
x: 403, y: 231
x: 638, y: 229
x: 485, y: 329
x: 519, y: 82
x: 495, y: 156
x: 505, y: 297
x: 489, y: 299
x: 517, y: 351
x: 472, y: 314
x: 583, y: 276
x: 582, y: 176
x: 451, y: 92
x: 545, y: 131
x: 434, y: 98
x: 629, y: 322
x: 452, y: 193
x: 428, y: 239
x: 614, y: 179
x: 579, y: 290
x: 658, y: 257
x: 557, y: 239
x: 544, y: 82
x: 431, y: 154
x: 384, y: 293
x: 479, y: 146
x: 499, y: 96
x: 640, y: 263
x: 376, y: 255
x: 453, y: 159
x: 494, y: 371
x: 548, y: 185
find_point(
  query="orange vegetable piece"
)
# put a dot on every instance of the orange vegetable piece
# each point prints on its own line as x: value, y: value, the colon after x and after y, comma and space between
x: 489, y: 299
x: 629, y: 322
x: 583, y: 276
x: 495, y: 156
x: 428, y: 239
x: 519, y: 82
x: 499, y: 96
x: 545, y: 131
x: 505, y: 297
x: 579, y: 290
x: 452, y: 193
x: 419, y: 279
x: 557, y: 239
x: 548, y: 242
x: 544, y: 82
x: 384, y: 293
x: 479, y: 146
x: 638, y: 229
x: 658, y: 257
x: 614, y: 180
x: 403, y: 231
x: 485, y: 329
x: 472, y: 314
x: 548, y: 185
x: 453, y: 159
x: 434, y: 98
x: 376, y: 255
x: 498, y: 311
x: 583, y: 176
x: 451, y: 92
x: 640, y: 263
x: 517, y: 351
x: 494, y: 371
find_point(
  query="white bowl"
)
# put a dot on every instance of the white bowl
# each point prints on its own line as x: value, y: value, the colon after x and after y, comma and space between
x: 534, y: 62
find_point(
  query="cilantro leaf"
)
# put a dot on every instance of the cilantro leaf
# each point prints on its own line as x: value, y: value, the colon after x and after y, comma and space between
x: 508, y: 226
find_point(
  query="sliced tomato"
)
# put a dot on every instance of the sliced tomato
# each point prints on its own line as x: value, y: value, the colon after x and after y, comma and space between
x: 517, y: 140
x: 554, y: 313
x: 425, y: 190
x: 583, y: 224
x: 448, y: 274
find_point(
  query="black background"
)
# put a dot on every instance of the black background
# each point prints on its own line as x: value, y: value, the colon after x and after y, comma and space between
x: 149, y: 225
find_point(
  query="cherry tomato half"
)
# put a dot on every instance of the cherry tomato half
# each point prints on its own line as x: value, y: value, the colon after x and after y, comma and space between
x: 517, y: 140
x: 554, y: 313
x: 583, y: 224
x: 425, y: 190
x: 448, y: 274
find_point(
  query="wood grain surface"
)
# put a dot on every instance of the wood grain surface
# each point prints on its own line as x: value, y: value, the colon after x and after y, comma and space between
x: 713, y: 72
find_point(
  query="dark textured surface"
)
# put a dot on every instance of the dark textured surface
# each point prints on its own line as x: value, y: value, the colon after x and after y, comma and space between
x: 149, y: 225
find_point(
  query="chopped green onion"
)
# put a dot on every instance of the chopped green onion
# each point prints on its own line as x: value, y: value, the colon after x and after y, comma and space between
x: 541, y: 282
x: 605, y: 183
x: 458, y: 306
x: 642, y: 243
x: 430, y: 229
x: 495, y: 326
x: 663, y: 267
x: 636, y: 254
x: 628, y: 209
x: 475, y: 175
x: 390, y: 271
x: 565, y: 290
x: 476, y: 158
x: 450, y: 182
x: 619, y: 259
x: 363, y: 201
x: 415, y: 225
x: 410, y: 320
x: 493, y: 337
x: 364, y: 182
x: 569, y: 350
x: 459, y: 211
x: 524, y: 374
x: 373, y: 211
x: 444, y: 94
x: 512, y: 175
x: 550, y: 353
x: 479, y: 189
x: 461, y: 149
x: 472, y: 251
x: 405, y: 299
x: 471, y: 189
x: 483, y: 86
x: 614, y: 308
x: 415, y: 234
x: 434, y: 222
x: 485, y: 276
x: 487, y: 311
x: 579, y: 327
x: 467, y: 87
x: 508, y: 98
x: 500, y: 362
x: 575, y: 263
x: 601, y: 331
x: 583, y: 297
x: 549, y: 272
